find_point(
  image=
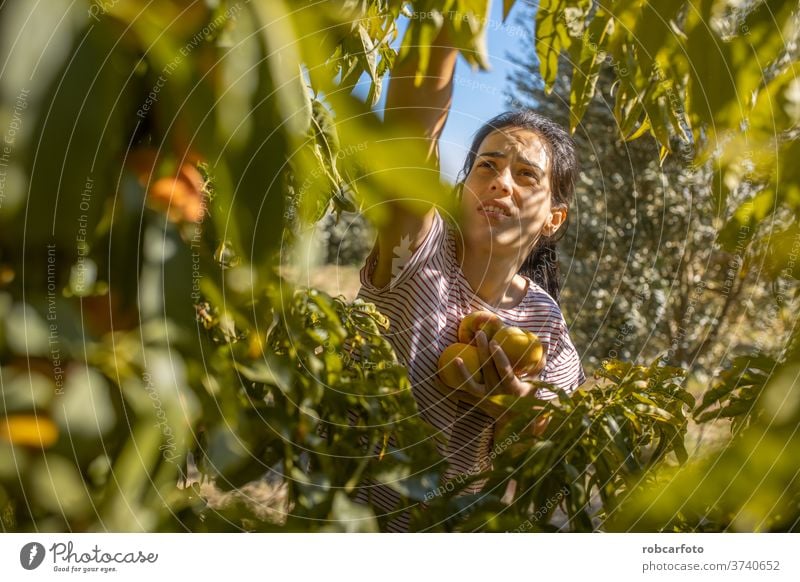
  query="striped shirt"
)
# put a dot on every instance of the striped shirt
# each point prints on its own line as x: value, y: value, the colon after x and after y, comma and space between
x: 425, y: 302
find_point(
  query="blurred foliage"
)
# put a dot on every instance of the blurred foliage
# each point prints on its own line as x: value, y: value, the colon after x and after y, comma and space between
x: 346, y: 239
x: 158, y: 163
x: 752, y: 484
x: 714, y: 84
x: 645, y: 275
x: 599, y: 444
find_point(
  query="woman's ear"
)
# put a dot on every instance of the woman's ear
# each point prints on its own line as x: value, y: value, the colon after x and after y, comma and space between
x: 558, y: 216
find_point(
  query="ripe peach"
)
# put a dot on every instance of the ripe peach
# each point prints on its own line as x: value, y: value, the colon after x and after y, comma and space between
x: 179, y: 197
x: 523, y: 348
x: 476, y: 321
x: 448, y: 371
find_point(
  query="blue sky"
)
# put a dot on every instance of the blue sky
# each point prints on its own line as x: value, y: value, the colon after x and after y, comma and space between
x: 480, y: 95
x: 477, y: 95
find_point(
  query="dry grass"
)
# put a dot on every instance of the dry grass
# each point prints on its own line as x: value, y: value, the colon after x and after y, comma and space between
x: 264, y: 498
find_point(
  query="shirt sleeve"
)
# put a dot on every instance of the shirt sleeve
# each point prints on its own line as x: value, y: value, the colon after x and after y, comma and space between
x: 405, y: 267
x: 563, y: 366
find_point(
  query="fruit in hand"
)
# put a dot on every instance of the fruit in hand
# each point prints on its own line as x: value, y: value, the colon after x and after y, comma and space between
x: 449, y: 372
x: 476, y: 321
x: 523, y: 348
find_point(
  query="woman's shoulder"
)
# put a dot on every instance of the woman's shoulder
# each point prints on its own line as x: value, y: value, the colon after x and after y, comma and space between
x: 537, y: 299
x: 407, y: 261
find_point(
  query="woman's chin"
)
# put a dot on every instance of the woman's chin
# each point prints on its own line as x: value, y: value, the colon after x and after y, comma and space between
x: 486, y: 223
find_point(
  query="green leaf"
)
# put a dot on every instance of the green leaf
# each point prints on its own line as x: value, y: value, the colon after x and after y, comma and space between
x: 657, y: 108
x: 269, y: 372
x: 467, y: 25
x: 685, y: 397
x: 78, y: 146
x: 586, y: 70
x: 417, y: 41
x: 780, y: 253
x: 741, y: 227
x: 368, y: 57
x: 674, y: 442
x: 654, y: 33
x: 551, y: 39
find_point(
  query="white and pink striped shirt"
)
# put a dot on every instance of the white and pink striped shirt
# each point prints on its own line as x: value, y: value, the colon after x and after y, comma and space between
x: 425, y: 302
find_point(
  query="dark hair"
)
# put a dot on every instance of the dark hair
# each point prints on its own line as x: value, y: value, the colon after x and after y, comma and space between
x: 541, y: 266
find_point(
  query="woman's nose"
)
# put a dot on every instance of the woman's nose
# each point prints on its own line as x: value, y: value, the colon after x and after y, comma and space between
x: 502, y: 181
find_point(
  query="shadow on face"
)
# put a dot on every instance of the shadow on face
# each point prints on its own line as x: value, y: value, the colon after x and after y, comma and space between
x: 506, y: 203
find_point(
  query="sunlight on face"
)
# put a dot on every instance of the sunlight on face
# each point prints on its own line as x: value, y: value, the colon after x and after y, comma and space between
x: 506, y: 202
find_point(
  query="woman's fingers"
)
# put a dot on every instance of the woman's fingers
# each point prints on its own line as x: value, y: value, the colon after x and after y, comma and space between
x: 540, y: 366
x: 511, y: 384
x: 498, y: 373
x: 502, y: 364
x: 490, y: 375
x: 469, y: 384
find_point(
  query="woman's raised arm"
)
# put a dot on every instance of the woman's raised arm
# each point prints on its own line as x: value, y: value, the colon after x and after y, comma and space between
x: 422, y: 110
x: 415, y: 113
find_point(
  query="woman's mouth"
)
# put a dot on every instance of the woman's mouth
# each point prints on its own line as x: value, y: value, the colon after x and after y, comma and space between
x: 493, y: 212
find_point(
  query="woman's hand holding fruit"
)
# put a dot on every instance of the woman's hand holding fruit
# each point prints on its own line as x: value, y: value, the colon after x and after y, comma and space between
x: 489, y: 360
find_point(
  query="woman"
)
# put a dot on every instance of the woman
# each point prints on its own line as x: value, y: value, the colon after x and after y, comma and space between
x: 514, y: 192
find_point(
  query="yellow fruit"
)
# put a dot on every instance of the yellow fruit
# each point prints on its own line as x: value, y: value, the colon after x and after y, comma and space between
x: 523, y: 348
x: 448, y: 371
x: 476, y: 321
x: 29, y: 430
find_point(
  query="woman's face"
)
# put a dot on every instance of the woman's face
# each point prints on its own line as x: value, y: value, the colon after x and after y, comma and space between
x: 506, y: 203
